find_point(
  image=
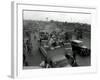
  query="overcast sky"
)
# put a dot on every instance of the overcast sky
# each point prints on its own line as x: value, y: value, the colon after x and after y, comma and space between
x: 69, y: 17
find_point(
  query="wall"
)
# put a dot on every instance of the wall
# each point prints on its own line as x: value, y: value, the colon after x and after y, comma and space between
x: 5, y: 38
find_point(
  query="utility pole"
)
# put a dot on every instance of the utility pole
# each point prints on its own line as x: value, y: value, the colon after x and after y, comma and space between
x: 46, y: 18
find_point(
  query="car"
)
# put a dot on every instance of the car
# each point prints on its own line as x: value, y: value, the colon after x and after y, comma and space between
x: 79, y: 48
x: 56, y: 57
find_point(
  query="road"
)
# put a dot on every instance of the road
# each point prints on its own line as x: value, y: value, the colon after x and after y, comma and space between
x: 35, y: 58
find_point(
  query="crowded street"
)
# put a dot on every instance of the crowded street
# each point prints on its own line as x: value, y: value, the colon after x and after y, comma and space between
x: 54, y: 48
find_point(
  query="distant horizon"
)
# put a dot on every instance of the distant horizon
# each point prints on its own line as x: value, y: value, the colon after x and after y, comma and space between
x: 56, y: 16
x: 56, y: 21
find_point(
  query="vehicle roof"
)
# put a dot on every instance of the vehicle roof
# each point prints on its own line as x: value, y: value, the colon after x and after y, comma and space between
x: 77, y: 41
x: 57, y: 58
x: 56, y: 54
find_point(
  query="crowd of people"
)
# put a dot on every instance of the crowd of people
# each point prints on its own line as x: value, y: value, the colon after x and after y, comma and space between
x: 54, y: 38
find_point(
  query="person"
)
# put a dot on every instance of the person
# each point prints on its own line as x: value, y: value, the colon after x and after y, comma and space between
x: 74, y: 54
x: 24, y: 58
x: 54, y: 44
x: 40, y: 41
x: 44, y: 64
x: 71, y: 59
x: 51, y: 64
x: 51, y: 41
x: 66, y: 36
x: 61, y: 42
x: 26, y: 63
x: 35, y: 36
x: 29, y: 47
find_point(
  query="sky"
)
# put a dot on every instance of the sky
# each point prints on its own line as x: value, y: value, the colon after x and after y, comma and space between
x: 64, y: 17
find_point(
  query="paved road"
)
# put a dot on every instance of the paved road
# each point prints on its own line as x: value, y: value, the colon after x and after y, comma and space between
x: 35, y: 58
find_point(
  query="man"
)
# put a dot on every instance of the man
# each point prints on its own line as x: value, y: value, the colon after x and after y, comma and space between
x: 44, y: 64
x: 51, y: 41
x: 29, y: 47
x: 72, y: 60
